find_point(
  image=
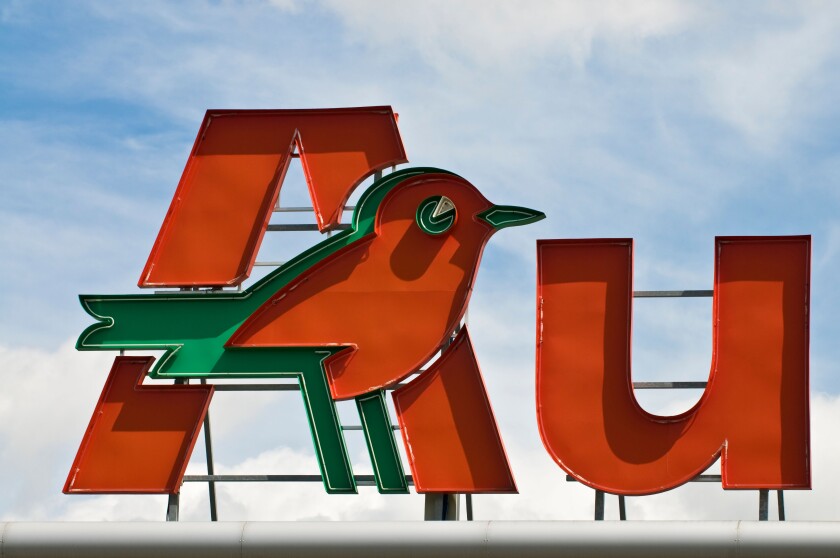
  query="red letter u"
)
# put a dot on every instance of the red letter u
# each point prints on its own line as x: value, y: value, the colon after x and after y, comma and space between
x: 754, y: 412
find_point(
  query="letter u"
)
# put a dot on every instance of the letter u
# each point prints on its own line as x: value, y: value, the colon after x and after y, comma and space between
x: 754, y: 411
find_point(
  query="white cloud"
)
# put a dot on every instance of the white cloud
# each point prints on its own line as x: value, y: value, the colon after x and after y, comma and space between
x: 301, y: 501
x: 287, y: 5
x: 453, y: 36
x: 67, y: 223
x: 758, y: 69
x: 179, y: 60
x: 765, y: 82
x: 45, y: 405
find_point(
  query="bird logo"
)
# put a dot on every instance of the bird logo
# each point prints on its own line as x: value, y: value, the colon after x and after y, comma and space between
x: 352, y: 316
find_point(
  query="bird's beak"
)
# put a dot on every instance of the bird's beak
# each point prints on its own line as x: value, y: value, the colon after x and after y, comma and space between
x: 501, y: 216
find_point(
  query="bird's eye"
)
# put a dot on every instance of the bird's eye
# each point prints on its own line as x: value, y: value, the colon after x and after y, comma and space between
x: 436, y: 215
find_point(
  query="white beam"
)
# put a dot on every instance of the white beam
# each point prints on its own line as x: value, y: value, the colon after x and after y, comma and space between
x: 442, y: 539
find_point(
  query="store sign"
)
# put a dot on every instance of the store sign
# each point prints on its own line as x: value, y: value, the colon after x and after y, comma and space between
x: 754, y: 411
x: 326, y: 320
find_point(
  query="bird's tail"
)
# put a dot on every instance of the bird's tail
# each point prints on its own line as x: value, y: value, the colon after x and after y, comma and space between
x: 122, y: 322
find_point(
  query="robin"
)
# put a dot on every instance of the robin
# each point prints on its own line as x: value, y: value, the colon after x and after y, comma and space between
x: 355, y: 314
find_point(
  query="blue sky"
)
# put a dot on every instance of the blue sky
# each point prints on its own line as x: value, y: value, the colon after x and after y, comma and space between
x: 669, y: 122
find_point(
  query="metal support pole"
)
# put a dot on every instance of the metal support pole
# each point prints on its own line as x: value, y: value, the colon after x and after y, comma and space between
x: 599, y: 505
x: 781, y: 499
x: 208, y: 449
x: 173, y: 504
x: 763, y: 504
x: 172, y: 507
x: 469, y: 507
x: 442, y: 507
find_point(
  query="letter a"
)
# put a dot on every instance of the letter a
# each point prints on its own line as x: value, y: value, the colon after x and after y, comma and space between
x: 232, y: 181
x: 754, y: 412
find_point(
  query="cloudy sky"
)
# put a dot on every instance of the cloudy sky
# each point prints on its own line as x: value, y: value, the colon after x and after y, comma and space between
x: 670, y: 122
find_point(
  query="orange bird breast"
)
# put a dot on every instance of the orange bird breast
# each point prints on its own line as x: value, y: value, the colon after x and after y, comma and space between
x: 392, y: 297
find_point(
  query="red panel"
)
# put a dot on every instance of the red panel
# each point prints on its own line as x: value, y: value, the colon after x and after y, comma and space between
x: 754, y: 412
x: 140, y: 437
x: 392, y: 298
x: 219, y: 213
x: 447, y: 424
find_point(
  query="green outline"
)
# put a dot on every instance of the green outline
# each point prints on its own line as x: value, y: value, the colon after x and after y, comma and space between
x: 379, y: 435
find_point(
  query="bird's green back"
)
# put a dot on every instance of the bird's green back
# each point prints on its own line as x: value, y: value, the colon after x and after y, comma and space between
x: 192, y: 327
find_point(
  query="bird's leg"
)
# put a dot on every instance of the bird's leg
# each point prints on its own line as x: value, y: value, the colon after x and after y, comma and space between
x: 379, y: 435
x: 326, y: 431
x: 304, y: 365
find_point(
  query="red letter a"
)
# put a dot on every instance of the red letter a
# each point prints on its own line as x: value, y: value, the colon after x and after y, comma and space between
x: 754, y: 412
